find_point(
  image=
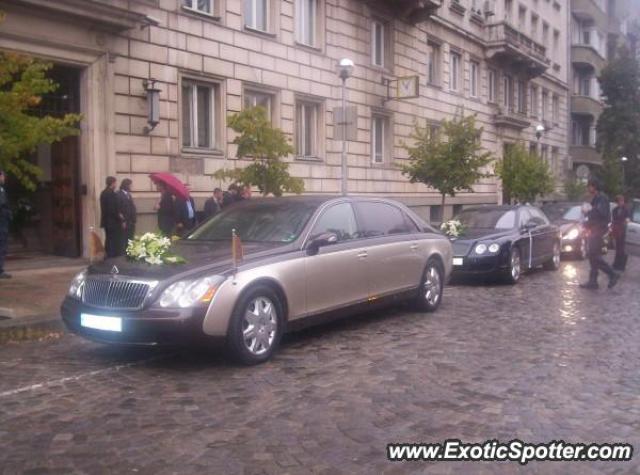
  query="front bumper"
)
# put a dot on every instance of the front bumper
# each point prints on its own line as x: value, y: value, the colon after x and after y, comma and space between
x: 480, y: 265
x: 571, y: 246
x: 146, y: 327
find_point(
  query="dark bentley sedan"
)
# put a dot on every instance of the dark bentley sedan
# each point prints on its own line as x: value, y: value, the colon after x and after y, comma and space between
x: 304, y: 258
x: 505, y: 240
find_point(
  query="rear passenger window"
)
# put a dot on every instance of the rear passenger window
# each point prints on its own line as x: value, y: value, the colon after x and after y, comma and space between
x: 382, y: 219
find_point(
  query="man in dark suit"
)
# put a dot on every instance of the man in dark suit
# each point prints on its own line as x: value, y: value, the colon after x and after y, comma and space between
x: 5, y: 217
x: 597, y: 224
x: 126, y: 209
x: 213, y: 205
x: 110, y: 219
x: 185, y: 214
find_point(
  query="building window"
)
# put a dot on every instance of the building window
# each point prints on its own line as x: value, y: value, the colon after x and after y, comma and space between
x: 521, y: 97
x: 435, y: 214
x: 522, y: 17
x: 507, y: 92
x: 454, y: 74
x: 433, y: 63
x: 508, y: 10
x: 201, y: 6
x: 380, y: 44
x: 434, y: 131
x: 534, y: 26
x: 555, y: 152
x: 474, y: 71
x: 533, y: 99
x: 307, y: 129
x: 555, y: 108
x: 584, y: 85
x: 545, y: 34
x: 259, y: 99
x: 379, y: 138
x: 199, y: 110
x: 545, y: 104
x: 544, y: 153
x: 493, y: 85
x: 256, y: 14
x: 533, y: 148
x: 306, y: 20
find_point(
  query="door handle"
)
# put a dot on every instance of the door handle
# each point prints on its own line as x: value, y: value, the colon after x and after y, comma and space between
x: 414, y: 247
x: 362, y: 254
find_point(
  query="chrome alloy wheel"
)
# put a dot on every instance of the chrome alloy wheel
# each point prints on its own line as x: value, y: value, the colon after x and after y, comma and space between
x: 515, y: 266
x: 432, y: 286
x: 259, y: 325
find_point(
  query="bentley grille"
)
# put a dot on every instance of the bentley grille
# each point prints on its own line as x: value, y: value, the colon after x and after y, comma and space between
x: 120, y: 294
x: 460, y: 248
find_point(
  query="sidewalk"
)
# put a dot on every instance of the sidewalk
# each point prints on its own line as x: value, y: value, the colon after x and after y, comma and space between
x: 30, y: 301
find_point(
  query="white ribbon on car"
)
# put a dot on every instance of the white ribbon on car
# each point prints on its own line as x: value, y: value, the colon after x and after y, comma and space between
x: 530, y: 248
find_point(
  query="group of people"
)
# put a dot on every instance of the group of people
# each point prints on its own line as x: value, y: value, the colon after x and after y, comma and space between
x: 599, y: 215
x: 176, y: 215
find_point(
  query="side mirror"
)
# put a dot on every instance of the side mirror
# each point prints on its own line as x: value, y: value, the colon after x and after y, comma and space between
x: 324, y: 239
x: 528, y: 226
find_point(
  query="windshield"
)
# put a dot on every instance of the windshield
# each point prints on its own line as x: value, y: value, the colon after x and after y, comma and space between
x: 277, y: 221
x: 570, y: 212
x: 488, y: 218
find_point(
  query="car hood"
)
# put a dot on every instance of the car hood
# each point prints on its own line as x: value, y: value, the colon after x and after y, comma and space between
x: 212, y: 257
x: 474, y: 234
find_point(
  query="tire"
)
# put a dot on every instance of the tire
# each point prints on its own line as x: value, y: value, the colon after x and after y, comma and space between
x: 515, y: 266
x: 431, y: 289
x: 554, y: 262
x: 259, y: 307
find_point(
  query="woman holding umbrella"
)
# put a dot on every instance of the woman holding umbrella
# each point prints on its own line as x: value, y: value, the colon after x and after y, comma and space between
x: 166, y: 210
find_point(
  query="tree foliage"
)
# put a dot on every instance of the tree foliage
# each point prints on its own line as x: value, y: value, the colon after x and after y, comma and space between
x: 23, y: 82
x: 574, y: 189
x: 265, y: 145
x: 618, y: 128
x: 524, y: 175
x: 451, y: 161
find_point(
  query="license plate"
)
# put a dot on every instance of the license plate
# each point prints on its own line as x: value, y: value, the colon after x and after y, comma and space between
x: 457, y: 261
x: 100, y: 322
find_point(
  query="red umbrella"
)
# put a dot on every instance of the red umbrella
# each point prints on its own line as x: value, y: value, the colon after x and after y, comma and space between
x: 174, y: 185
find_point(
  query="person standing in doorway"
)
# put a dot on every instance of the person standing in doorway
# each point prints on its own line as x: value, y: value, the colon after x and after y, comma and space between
x: 110, y: 220
x: 166, y: 210
x: 213, y: 205
x: 5, y: 218
x: 598, y: 218
x: 619, y: 220
x: 127, y: 209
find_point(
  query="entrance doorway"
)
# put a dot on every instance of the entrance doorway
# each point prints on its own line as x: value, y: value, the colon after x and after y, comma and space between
x: 53, y: 225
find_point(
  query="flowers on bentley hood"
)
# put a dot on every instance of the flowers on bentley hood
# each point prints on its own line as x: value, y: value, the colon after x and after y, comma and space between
x: 452, y: 228
x: 153, y: 249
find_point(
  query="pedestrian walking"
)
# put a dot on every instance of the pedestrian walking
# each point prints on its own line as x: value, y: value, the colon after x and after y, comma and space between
x: 166, y: 210
x: 110, y: 219
x: 597, y: 224
x: 619, y: 220
x: 5, y: 218
x: 127, y: 209
x: 213, y: 205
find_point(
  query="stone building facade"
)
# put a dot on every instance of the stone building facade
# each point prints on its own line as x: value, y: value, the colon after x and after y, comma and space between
x: 504, y: 60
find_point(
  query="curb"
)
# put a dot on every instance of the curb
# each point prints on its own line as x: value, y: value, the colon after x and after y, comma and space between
x: 30, y: 328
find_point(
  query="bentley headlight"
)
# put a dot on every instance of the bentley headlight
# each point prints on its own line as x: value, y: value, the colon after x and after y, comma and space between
x: 77, y: 284
x: 481, y: 249
x: 572, y: 234
x: 494, y: 248
x: 190, y: 293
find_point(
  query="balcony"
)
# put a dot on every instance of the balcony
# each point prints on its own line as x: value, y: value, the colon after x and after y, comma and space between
x: 509, y: 118
x: 411, y: 11
x: 507, y: 45
x: 585, y: 154
x: 585, y: 56
x: 585, y: 105
x: 588, y: 10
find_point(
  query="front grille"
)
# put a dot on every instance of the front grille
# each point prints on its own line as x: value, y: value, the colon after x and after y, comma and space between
x: 460, y: 248
x: 120, y: 294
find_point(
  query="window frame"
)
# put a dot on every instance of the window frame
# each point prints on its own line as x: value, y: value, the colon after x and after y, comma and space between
x: 318, y: 138
x: 386, y: 135
x: 434, y: 63
x: 314, y: 24
x: 492, y: 85
x: 215, y: 115
x: 267, y: 14
x: 249, y: 90
x: 455, y: 60
x: 214, y: 6
x: 474, y: 78
x: 533, y: 100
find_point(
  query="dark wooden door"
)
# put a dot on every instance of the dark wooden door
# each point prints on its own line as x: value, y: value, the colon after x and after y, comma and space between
x: 66, y: 198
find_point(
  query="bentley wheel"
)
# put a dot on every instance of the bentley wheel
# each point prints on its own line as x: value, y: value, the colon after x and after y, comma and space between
x: 554, y: 262
x: 431, y: 287
x: 256, y: 326
x: 515, y: 267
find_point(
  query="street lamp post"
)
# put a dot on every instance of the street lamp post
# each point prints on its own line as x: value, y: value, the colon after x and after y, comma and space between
x: 345, y: 70
x: 623, y: 160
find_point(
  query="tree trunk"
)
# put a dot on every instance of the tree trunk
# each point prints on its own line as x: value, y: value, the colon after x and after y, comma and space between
x: 442, y: 208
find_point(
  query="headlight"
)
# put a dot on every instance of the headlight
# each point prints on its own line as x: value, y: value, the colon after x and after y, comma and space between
x: 572, y: 234
x: 481, y: 249
x: 190, y: 293
x: 493, y: 248
x: 75, y: 289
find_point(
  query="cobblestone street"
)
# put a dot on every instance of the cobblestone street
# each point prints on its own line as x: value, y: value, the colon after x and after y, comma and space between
x: 540, y: 361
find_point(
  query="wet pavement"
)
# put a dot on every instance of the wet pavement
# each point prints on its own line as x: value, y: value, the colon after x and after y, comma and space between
x: 540, y: 361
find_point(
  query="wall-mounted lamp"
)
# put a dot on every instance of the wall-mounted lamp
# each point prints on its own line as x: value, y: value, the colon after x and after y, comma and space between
x: 539, y: 131
x: 153, y: 104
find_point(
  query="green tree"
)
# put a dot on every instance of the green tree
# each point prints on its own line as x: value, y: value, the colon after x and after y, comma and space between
x: 265, y: 145
x: 450, y: 161
x: 23, y: 82
x: 524, y: 175
x: 618, y: 127
x: 574, y: 189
